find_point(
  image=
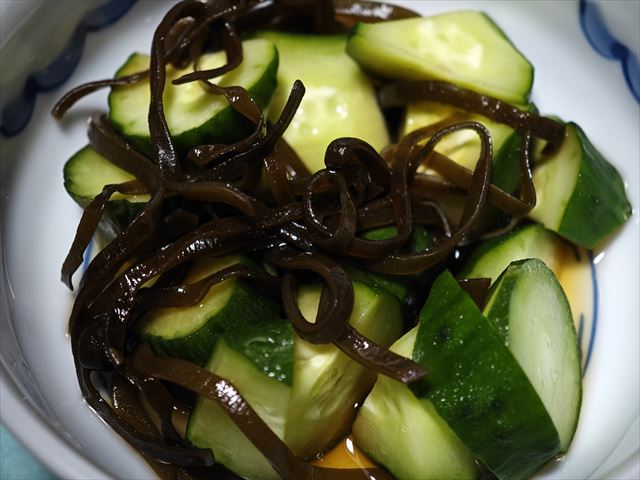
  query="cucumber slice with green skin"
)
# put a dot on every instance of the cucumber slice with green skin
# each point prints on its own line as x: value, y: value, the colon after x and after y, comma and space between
x: 420, y: 238
x: 477, y: 386
x: 581, y: 196
x: 268, y: 345
x: 239, y: 357
x: 191, y: 332
x: 306, y: 393
x: 85, y: 175
x: 327, y: 384
x: 406, y: 435
x: 464, y: 47
x: 194, y: 115
x: 339, y: 101
x: 463, y: 147
x: 492, y: 257
x: 531, y: 311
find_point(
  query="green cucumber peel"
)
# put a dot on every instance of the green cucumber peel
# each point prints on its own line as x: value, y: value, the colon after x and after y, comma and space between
x: 478, y: 387
x: 493, y: 256
x: 530, y: 310
x: 194, y: 117
x: 581, y: 196
x: 268, y: 345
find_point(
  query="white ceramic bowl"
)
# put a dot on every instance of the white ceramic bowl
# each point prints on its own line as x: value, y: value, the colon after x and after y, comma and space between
x: 39, y: 398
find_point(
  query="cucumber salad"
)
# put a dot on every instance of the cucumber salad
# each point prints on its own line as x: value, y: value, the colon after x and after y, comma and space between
x: 329, y: 220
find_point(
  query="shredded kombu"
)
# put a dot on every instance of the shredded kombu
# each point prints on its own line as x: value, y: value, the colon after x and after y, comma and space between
x: 305, y: 224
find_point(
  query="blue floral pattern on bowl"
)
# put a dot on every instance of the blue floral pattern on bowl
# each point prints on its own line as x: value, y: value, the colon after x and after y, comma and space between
x: 603, y: 42
x: 17, y: 112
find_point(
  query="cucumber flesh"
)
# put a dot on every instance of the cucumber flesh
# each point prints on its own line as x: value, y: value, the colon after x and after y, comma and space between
x: 327, y: 384
x: 464, y: 47
x: 306, y: 393
x: 210, y: 426
x: 194, y: 115
x: 463, y: 147
x: 85, y: 175
x: 581, y: 196
x: 191, y: 332
x: 492, y: 257
x: 529, y: 308
x: 339, y: 101
x: 477, y: 386
x: 268, y: 345
x: 406, y: 435
x: 87, y: 172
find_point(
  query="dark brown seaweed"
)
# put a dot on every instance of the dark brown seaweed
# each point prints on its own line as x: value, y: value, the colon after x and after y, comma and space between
x: 306, y: 225
x: 403, y: 93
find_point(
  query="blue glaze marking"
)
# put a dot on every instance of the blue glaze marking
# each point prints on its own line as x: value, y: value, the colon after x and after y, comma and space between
x: 608, y: 46
x: 594, y: 321
x: 580, y: 328
x: 86, y: 260
x: 17, y: 113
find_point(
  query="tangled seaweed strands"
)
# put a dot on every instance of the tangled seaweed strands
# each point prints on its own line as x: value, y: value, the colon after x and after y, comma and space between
x: 106, y: 303
x: 405, y: 264
x: 100, y: 340
x: 405, y: 92
x: 127, y: 282
x: 528, y: 124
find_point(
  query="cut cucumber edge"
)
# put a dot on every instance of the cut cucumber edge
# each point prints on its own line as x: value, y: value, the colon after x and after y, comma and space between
x: 211, y: 427
x: 199, y: 117
x: 327, y: 383
x: 415, y: 48
x: 492, y: 257
x: 406, y: 435
x: 529, y: 307
x: 581, y: 196
x: 476, y: 384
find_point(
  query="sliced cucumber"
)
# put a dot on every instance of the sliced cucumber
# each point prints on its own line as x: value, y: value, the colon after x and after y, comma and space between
x: 464, y: 47
x: 268, y: 345
x: 239, y: 357
x: 477, y: 386
x: 340, y: 100
x: 306, y: 393
x: 87, y: 172
x: 529, y: 308
x: 581, y: 196
x: 327, y: 384
x: 191, y: 332
x: 492, y: 257
x: 406, y: 435
x: 194, y: 115
x: 85, y: 175
x: 463, y: 147
x: 420, y: 238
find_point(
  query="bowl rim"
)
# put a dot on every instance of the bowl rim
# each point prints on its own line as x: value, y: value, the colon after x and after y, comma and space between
x: 37, y: 434
x: 57, y: 452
